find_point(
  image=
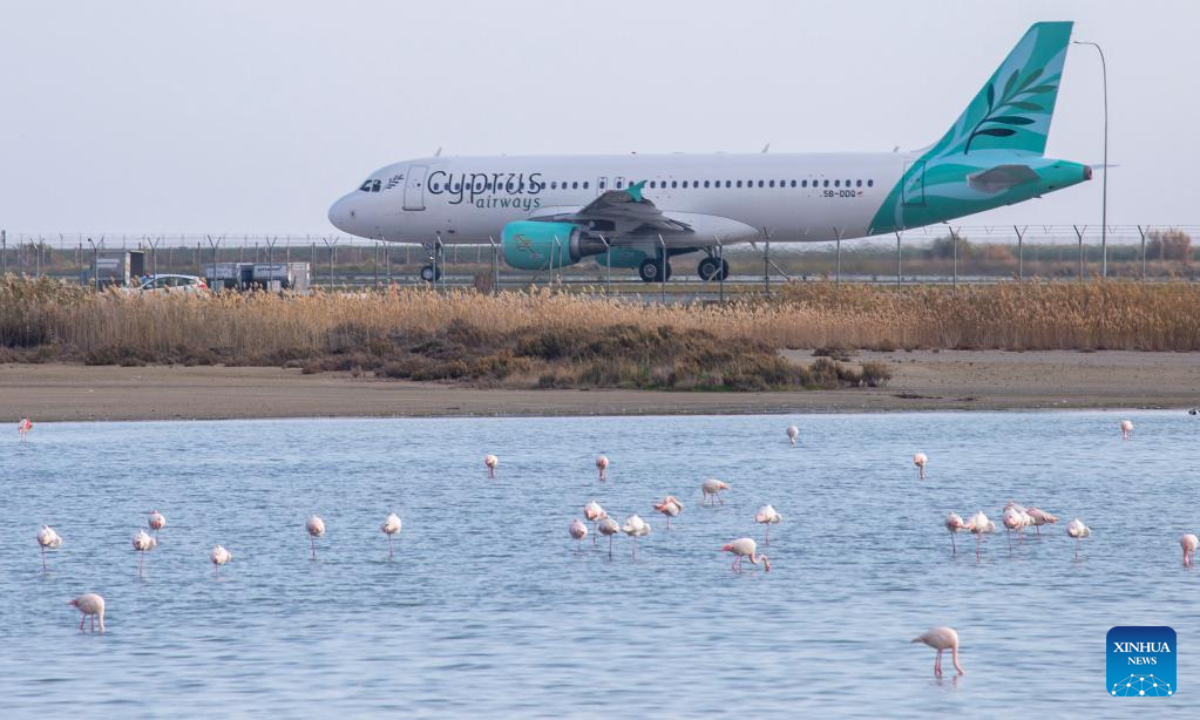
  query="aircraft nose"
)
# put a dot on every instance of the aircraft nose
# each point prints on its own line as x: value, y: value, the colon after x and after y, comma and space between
x: 341, y: 215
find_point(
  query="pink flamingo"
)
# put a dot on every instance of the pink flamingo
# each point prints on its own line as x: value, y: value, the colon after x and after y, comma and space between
x: 48, y: 539
x: 143, y: 543
x: 954, y: 524
x: 219, y: 556
x: 602, y: 465
x: 712, y: 487
x: 90, y: 604
x: 1079, y: 531
x: 491, y: 462
x: 979, y: 525
x: 919, y: 460
x: 24, y: 426
x: 578, y: 531
x: 594, y: 514
x: 1040, y: 518
x: 1126, y: 429
x: 768, y: 516
x: 670, y: 507
x: 941, y: 639
x: 608, y: 528
x: 793, y: 433
x: 635, y: 527
x: 746, y: 548
x: 391, y: 526
x: 316, y: 529
x: 157, y: 522
x: 1189, y: 543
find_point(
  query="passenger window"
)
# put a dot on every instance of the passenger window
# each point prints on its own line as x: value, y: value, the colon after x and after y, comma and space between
x: 575, y: 185
x: 837, y: 183
x: 585, y: 185
x: 803, y: 183
x: 760, y: 183
x: 729, y: 184
x: 705, y: 183
x: 858, y: 183
x: 870, y: 183
x: 620, y: 184
x: 825, y: 183
x: 600, y: 184
x: 739, y: 183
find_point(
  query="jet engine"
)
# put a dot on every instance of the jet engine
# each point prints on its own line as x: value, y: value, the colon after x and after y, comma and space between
x: 533, y: 245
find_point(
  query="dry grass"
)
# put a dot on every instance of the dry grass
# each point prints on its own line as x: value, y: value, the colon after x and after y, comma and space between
x: 557, y: 339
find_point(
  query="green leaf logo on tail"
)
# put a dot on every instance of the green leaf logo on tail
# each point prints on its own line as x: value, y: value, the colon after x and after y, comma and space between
x: 1016, y: 98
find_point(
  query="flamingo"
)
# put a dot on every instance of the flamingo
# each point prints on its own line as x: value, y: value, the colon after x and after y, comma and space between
x: 793, y: 433
x: 768, y: 516
x: 635, y: 527
x: 143, y: 543
x: 713, y: 487
x: 578, y: 531
x: 746, y: 548
x: 1040, y: 518
x: 601, y: 465
x: 48, y: 539
x: 157, y: 522
x: 670, y: 507
x: 24, y: 426
x: 954, y: 523
x: 316, y: 529
x: 219, y: 556
x: 919, y: 460
x: 391, y: 526
x: 491, y: 462
x: 1189, y: 542
x: 594, y: 514
x: 1078, y: 530
x: 1126, y: 429
x: 1015, y: 518
x: 608, y: 527
x: 90, y: 604
x: 941, y: 639
x: 980, y: 525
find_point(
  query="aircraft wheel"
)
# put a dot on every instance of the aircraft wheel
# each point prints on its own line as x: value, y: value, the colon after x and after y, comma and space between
x: 429, y: 273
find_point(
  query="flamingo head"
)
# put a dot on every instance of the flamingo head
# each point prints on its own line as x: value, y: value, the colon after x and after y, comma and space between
x: 766, y: 563
x: 74, y: 602
x: 727, y: 548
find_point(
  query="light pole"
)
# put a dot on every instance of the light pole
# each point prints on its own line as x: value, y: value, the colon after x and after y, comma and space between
x: 1104, y: 180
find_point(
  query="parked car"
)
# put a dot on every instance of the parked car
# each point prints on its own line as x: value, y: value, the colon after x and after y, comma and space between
x: 187, y: 284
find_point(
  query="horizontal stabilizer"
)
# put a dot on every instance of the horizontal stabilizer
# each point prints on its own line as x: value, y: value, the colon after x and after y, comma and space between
x: 1001, y: 178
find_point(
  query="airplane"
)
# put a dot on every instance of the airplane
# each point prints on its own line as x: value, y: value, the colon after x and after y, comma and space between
x: 638, y: 211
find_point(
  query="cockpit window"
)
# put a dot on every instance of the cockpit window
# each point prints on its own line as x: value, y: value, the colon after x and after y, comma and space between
x: 371, y: 186
x: 366, y: 187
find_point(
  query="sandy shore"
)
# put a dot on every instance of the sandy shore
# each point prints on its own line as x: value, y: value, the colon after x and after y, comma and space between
x: 949, y: 380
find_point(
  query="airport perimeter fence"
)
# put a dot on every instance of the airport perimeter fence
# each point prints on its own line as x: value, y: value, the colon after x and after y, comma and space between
x: 931, y: 255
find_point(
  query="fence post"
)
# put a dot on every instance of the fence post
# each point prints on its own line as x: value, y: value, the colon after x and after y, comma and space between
x: 721, y: 274
x: 954, y: 254
x: 1142, y: 232
x: 1020, y: 252
x: 838, y: 260
x: 607, y: 267
x: 495, y: 266
x: 899, y: 269
x: 662, y: 276
x: 1079, y: 234
x: 3, y: 252
x: 767, y: 262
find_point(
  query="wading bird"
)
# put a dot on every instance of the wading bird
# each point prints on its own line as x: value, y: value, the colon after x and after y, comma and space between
x: 157, y: 522
x: 608, y: 528
x: 919, y: 460
x: 143, y: 543
x: 90, y: 604
x: 24, y: 425
x: 219, y: 556
x: 768, y: 516
x: 793, y: 433
x: 594, y: 514
x: 390, y: 527
x: 316, y: 529
x: 49, y: 540
x: 578, y: 531
x: 1126, y: 429
x: 941, y: 639
x: 712, y: 487
x: 602, y: 465
x: 670, y: 507
x: 1015, y: 520
x: 635, y: 527
x: 1079, y: 531
x: 491, y: 462
x: 954, y: 524
x: 1189, y: 542
x: 1040, y: 518
x: 745, y: 549
x: 979, y: 525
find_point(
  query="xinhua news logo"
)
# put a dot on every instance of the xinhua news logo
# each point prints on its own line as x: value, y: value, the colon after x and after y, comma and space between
x: 1141, y: 661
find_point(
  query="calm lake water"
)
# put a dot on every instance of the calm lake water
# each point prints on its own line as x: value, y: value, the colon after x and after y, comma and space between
x: 489, y: 607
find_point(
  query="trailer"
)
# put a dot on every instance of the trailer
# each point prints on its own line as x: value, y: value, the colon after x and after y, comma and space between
x: 229, y: 275
x: 291, y: 276
x: 115, y: 268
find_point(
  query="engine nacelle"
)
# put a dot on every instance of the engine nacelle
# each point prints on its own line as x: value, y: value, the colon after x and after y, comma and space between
x: 533, y: 245
x: 623, y: 257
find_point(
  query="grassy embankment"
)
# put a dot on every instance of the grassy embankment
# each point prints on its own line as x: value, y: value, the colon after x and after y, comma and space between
x: 557, y: 340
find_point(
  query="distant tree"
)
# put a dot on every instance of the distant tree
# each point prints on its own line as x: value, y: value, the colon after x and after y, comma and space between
x: 1172, y: 244
x: 943, y: 247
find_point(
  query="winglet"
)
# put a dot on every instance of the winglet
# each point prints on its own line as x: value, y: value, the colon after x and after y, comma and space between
x: 635, y: 190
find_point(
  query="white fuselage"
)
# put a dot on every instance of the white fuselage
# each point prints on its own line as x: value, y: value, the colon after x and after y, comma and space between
x: 786, y: 197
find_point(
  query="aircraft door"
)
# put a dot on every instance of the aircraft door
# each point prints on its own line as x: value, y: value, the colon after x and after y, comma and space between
x: 414, y: 187
x: 914, y: 184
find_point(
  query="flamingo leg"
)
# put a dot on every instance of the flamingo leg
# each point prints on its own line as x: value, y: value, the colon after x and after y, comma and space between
x: 954, y: 657
x: 937, y: 664
x: 767, y: 539
x: 953, y: 545
x: 82, y: 620
x: 594, y: 526
x: 978, y: 540
x: 312, y: 542
x: 721, y: 498
x: 44, y: 560
x: 141, y: 563
x: 391, y: 554
x: 1008, y: 533
x: 93, y: 623
x: 668, y: 522
x: 1038, y: 528
x: 635, y: 547
x: 610, y: 538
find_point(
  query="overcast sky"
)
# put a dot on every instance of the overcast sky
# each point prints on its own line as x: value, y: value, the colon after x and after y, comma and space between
x: 255, y: 116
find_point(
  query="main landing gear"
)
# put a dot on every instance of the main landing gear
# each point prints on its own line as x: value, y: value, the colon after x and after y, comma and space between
x: 429, y: 273
x: 651, y: 270
x: 713, y: 268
